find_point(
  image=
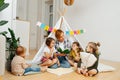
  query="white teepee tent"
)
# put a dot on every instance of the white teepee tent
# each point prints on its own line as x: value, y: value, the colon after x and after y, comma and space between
x: 61, y: 24
x: 64, y: 26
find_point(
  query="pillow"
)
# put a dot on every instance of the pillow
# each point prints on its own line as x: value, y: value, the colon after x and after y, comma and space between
x: 87, y: 59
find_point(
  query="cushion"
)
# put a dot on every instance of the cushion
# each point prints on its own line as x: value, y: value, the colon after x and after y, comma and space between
x: 87, y: 59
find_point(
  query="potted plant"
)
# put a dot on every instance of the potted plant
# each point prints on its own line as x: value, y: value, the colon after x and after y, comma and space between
x: 11, y: 44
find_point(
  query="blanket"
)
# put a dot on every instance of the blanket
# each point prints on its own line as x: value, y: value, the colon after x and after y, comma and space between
x: 61, y: 71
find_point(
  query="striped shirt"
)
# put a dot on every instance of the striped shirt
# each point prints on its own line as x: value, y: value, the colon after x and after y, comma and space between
x: 65, y: 45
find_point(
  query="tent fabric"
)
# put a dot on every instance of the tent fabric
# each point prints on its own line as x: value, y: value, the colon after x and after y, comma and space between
x: 59, y: 25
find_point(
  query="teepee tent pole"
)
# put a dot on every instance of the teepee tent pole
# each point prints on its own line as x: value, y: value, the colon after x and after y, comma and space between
x: 58, y: 25
x: 62, y: 14
x: 61, y: 22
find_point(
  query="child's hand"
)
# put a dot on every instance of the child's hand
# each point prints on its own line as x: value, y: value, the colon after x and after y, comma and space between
x: 58, y: 63
x: 29, y: 65
x: 54, y: 55
x: 61, y: 54
x: 47, y: 55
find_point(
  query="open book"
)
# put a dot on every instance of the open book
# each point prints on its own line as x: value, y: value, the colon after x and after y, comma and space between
x: 66, y: 51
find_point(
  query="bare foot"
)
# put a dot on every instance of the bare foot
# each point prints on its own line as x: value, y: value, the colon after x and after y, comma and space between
x: 78, y: 70
x: 44, y: 68
x: 86, y: 74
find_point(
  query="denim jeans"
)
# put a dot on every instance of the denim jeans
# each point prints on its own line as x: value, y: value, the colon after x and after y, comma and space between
x: 63, y: 63
x: 34, y: 69
x: 54, y: 66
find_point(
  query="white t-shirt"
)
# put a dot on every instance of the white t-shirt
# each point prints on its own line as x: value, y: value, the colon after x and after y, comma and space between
x: 61, y: 45
x: 47, y: 50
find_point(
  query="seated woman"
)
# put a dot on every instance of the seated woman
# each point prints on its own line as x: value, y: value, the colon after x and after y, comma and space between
x: 62, y: 43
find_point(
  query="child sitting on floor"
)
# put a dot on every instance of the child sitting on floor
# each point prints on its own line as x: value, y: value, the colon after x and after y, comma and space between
x: 91, y: 48
x: 74, y: 55
x: 18, y: 65
x: 49, y: 51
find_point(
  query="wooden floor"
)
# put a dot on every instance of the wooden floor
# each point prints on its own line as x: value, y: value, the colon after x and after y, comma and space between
x: 71, y: 76
x: 0, y: 78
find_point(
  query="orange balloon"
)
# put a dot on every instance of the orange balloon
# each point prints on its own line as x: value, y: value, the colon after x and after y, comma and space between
x: 68, y: 2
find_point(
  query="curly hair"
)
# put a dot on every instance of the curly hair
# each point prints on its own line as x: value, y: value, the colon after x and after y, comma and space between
x: 94, y: 46
x: 58, y: 33
x: 79, y: 47
x: 49, y: 40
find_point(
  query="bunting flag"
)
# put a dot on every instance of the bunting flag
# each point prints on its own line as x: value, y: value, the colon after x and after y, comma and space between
x: 75, y: 32
x: 51, y: 29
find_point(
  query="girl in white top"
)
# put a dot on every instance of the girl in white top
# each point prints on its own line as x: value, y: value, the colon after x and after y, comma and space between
x: 49, y: 51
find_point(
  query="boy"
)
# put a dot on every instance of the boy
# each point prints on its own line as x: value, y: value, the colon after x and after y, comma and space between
x: 18, y: 65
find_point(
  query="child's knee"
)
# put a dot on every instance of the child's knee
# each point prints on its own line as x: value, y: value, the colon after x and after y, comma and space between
x: 49, y: 61
x: 93, y: 72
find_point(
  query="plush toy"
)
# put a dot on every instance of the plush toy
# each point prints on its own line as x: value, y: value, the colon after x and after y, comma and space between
x: 87, y: 59
x: 68, y: 2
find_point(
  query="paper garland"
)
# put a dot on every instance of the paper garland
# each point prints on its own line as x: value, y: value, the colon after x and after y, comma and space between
x: 51, y: 29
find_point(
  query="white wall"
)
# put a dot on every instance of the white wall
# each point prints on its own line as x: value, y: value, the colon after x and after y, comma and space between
x: 40, y: 32
x: 30, y: 10
x: 101, y: 19
x: 33, y: 11
x: 22, y: 8
x: 32, y: 17
x: 23, y: 31
x: 6, y: 14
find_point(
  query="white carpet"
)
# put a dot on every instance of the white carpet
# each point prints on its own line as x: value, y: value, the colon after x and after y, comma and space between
x: 105, y: 68
x: 61, y: 71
